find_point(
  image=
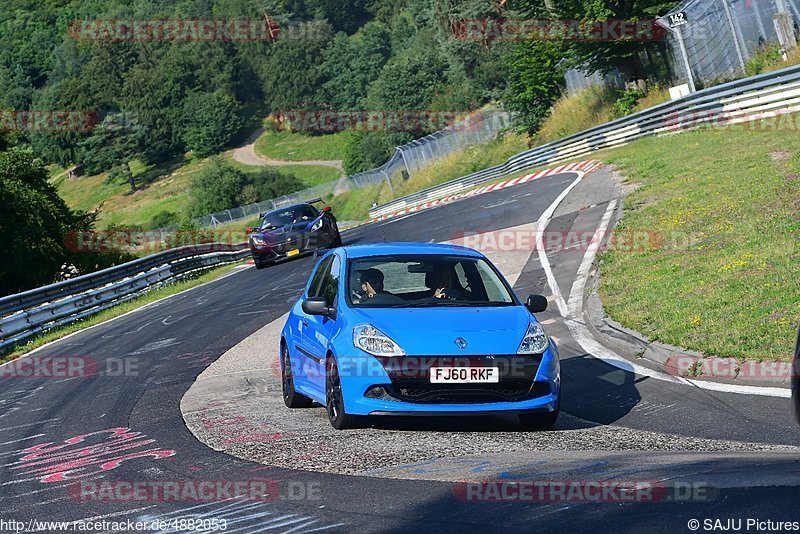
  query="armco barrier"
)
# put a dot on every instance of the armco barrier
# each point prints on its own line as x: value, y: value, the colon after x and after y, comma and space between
x: 25, y: 314
x: 743, y: 100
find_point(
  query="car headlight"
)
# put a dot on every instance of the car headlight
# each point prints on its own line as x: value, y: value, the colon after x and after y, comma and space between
x: 258, y: 240
x: 316, y: 226
x: 535, y: 340
x: 369, y: 339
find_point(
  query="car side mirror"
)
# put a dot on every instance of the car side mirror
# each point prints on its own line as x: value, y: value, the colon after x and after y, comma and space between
x: 249, y: 231
x: 317, y: 306
x: 536, y: 303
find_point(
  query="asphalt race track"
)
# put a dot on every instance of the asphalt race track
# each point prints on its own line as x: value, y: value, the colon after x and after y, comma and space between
x: 615, y: 424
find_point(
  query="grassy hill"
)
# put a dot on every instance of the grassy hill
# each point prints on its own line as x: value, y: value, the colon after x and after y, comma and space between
x: 165, y: 188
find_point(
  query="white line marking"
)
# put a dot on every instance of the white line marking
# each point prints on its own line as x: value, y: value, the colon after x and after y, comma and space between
x: 22, y: 439
x: 541, y: 224
x: 29, y: 424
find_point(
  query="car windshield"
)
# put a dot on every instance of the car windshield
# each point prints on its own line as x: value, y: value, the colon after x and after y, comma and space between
x: 425, y: 281
x: 295, y: 214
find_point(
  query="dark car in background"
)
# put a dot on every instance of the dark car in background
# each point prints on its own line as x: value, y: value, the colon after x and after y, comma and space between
x: 293, y: 231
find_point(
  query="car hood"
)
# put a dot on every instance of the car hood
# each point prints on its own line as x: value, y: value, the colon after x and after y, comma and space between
x: 433, y: 331
x: 287, y: 228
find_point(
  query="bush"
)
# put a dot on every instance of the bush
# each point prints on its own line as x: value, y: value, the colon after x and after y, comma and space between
x: 626, y: 103
x: 216, y: 187
x: 164, y: 219
x: 765, y: 58
x: 220, y: 186
x: 269, y: 183
x: 365, y: 151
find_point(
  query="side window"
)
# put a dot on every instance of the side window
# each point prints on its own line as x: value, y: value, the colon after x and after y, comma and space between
x: 330, y: 282
x: 322, y: 268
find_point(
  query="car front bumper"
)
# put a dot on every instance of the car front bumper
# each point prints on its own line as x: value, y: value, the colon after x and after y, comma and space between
x: 370, y: 387
x: 301, y: 242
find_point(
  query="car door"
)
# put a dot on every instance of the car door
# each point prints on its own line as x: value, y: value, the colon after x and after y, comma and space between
x: 305, y: 364
x: 317, y: 335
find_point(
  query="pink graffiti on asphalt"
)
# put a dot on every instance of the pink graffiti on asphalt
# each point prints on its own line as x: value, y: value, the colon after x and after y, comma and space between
x: 87, y: 455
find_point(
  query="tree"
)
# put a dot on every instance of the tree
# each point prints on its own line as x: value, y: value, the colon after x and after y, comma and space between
x: 534, y: 81
x: 116, y: 141
x: 34, y: 224
x: 602, y: 55
x: 351, y: 64
x: 410, y: 80
x: 209, y: 122
x: 344, y: 15
x: 291, y: 75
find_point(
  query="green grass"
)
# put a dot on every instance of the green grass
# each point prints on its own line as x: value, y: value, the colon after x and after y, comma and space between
x: 146, y: 298
x: 354, y: 205
x: 311, y: 175
x: 734, y: 292
x: 293, y: 146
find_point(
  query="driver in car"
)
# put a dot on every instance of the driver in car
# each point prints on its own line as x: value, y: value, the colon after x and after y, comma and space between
x: 442, y: 281
x: 371, y: 284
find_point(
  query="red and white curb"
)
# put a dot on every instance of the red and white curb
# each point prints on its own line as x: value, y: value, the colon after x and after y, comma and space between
x: 586, y: 166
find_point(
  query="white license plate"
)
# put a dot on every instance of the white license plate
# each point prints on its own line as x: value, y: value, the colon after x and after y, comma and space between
x: 464, y: 375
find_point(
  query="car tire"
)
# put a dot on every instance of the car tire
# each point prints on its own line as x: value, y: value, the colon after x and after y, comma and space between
x: 291, y: 398
x: 337, y: 241
x: 538, y: 421
x: 334, y: 399
x: 262, y: 264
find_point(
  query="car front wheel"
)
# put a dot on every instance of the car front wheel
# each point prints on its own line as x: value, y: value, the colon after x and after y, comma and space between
x: 291, y: 398
x: 334, y: 399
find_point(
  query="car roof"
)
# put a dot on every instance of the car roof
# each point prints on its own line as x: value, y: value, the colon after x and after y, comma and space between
x: 389, y: 249
x: 284, y: 208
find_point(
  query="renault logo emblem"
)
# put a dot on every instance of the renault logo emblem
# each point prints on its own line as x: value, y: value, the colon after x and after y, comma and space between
x: 461, y: 343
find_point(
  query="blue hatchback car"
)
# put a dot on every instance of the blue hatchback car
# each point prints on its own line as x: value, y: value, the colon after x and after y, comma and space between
x: 417, y: 329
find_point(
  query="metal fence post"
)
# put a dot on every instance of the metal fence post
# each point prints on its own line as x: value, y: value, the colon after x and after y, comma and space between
x: 735, y: 35
x: 388, y: 181
x: 405, y: 163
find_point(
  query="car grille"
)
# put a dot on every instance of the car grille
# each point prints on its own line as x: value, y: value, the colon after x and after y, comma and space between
x: 410, y: 380
x: 460, y: 393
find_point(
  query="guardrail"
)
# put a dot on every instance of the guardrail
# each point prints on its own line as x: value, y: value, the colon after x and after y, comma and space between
x: 743, y: 100
x: 25, y: 314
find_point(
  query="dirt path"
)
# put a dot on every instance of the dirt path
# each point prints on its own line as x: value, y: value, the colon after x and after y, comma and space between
x: 247, y: 154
